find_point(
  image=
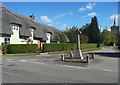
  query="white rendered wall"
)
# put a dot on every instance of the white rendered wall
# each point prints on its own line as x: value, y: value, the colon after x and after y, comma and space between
x: 15, y: 36
x: 1, y: 40
x: 32, y: 37
x: 48, y: 37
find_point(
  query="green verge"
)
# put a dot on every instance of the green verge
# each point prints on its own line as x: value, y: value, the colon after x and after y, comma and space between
x: 65, y: 52
x: 21, y: 54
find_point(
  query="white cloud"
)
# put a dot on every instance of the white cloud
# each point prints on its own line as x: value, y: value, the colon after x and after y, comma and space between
x: 91, y: 14
x: 64, y: 14
x: 82, y: 9
x: 101, y: 28
x: 109, y: 29
x: 46, y: 19
x: 49, y: 24
x: 117, y: 18
x: 64, y: 26
x: 89, y: 6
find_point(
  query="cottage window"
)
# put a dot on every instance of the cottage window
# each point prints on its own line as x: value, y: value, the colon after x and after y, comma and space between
x: 7, y: 40
x: 14, y: 26
x: 31, y: 30
x: 48, y: 37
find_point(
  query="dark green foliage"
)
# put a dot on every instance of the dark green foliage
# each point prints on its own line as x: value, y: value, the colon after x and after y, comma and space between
x: 21, y: 48
x: 83, y: 38
x: 59, y: 47
x: 65, y: 46
x: 98, y: 45
x: 71, y: 34
x: 60, y: 37
x: 3, y: 47
x: 92, y: 31
x: 119, y: 41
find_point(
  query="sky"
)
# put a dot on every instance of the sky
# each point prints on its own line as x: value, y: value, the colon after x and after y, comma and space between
x: 67, y: 14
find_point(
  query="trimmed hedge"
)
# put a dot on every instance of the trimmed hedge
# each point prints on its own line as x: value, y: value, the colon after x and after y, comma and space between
x: 22, y: 48
x: 65, y: 46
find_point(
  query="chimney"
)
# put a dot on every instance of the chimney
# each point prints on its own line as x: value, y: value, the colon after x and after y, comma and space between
x: 32, y: 17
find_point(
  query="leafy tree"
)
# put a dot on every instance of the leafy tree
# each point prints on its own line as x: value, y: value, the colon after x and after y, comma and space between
x: 92, y: 31
x: 60, y: 37
x: 108, y: 37
x: 83, y: 38
x: 119, y: 41
x: 71, y: 34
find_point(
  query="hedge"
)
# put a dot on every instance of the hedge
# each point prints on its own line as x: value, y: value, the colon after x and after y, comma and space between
x: 65, y: 46
x: 21, y: 48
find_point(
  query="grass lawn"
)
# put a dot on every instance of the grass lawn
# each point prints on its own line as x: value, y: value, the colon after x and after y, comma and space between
x: 22, y: 54
x: 64, y: 52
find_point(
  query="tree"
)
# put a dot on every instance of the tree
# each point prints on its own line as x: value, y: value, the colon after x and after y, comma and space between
x: 92, y: 31
x: 108, y: 37
x: 60, y: 37
x: 83, y: 38
x: 119, y: 41
x: 71, y: 34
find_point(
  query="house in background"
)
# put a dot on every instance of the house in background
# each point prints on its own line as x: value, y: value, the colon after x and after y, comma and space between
x: 18, y: 29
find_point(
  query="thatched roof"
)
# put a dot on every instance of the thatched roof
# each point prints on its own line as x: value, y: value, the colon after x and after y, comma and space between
x: 9, y: 17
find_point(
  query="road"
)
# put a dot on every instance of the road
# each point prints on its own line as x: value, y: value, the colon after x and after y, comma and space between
x: 49, y: 69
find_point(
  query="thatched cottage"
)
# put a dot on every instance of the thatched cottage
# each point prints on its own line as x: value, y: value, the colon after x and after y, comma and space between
x: 19, y: 29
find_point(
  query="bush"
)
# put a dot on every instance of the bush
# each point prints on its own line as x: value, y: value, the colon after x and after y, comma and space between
x: 22, y: 48
x: 59, y: 47
x: 3, y: 48
x: 65, y: 46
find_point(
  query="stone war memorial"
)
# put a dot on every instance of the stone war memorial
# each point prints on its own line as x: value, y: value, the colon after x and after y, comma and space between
x: 78, y: 57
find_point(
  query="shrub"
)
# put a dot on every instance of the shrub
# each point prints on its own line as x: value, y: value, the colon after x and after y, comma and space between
x: 22, y: 48
x: 3, y: 48
x: 59, y: 47
x: 65, y: 46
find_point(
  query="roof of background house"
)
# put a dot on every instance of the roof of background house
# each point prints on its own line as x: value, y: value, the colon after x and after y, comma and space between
x: 9, y: 17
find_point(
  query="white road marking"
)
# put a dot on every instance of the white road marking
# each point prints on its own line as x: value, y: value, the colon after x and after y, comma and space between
x: 106, y: 70
x: 40, y: 62
x: 72, y: 66
x: 23, y: 61
x: 11, y: 61
x: 8, y: 59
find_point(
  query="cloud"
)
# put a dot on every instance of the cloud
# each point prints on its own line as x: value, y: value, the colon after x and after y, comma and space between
x: 64, y: 14
x: 91, y: 14
x: 49, y: 24
x: 89, y: 6
x: 117, y: 18
x: 46, y: 19
x: 82, y: 9
x: 64, y: 26
x: 109, y: 29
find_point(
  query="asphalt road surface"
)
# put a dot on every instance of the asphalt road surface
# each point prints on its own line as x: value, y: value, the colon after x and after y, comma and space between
x: 49, y: 69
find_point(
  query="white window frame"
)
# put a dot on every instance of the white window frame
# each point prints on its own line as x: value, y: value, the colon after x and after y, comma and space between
x: 14, y: 26
x: 7, y: 40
